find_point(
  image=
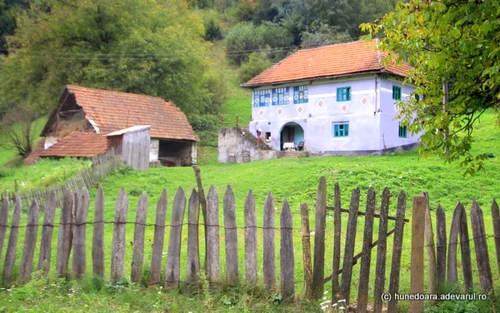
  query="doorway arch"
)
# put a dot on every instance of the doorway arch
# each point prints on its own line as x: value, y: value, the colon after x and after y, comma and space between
x: 291, y: 133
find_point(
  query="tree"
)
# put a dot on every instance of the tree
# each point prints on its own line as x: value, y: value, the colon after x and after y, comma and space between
x: 18, y: 131
x: 455, y: 48
x: 152, y: 47
x: 8, y: 10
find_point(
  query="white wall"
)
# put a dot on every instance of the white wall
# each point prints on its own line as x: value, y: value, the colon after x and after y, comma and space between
x: 154, y: 150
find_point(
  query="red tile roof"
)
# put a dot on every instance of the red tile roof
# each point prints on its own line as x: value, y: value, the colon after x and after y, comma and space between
x: 77, y: 144
x: 327, y: 62
x: 113, y: 110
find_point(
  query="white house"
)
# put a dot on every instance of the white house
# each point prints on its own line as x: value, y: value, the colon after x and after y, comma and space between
x: 337, y: 99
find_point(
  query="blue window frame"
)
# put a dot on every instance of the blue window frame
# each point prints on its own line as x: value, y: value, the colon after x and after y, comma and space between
x: 300, y: 94
x: 344, y: 94
x: 403, y: 131
x: 396, y: 92
x: 280, y: 96
x: 341, y: 129
x: 262, y: 98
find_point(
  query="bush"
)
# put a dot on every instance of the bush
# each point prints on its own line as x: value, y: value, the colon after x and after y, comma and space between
x: 323, y: 35
x: 213, y: 31
x: 257, y: 63
x: 246, y: 38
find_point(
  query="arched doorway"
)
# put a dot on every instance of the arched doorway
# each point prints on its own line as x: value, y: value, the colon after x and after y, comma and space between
x: 292, y: 134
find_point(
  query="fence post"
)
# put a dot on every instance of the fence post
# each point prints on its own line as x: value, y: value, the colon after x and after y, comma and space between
x: 231, y: 236
x: 287, y: 264
x: 4, y: 213
x: 193, y: 241
x: 29, y: 243
x: 269, y: 254
x: 381, y: 251
x: 441, y: 247
x: 392, y: 306
x: 482, y: 258
x: 495, y: 216
x: 119, y: 242
x: 48, y: 228
x: 417, y: 252
x: 452, y: 246
x: 213, y: 244
x: 79, y: 237
x: 65, y: 233
x: 337, y: 227
x: 140, y: 228
x: 306, y: 250
x: 364, y: 272
x: 465, y: 251
x: 159, y: 237
x: 349, y: 246
x: 250, y: 240
x: 431, y: 252
x: 98, y: 235
x: 10, y: 256
x: 173, y: 269
x: 319, y: 241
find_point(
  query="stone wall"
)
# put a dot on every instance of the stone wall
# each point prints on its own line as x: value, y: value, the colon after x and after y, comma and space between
x: 237, y: 145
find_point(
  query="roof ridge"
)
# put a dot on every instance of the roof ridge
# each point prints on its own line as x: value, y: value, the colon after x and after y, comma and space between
x: 70, y: 86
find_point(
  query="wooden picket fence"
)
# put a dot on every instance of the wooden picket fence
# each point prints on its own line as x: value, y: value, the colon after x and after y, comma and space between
x: 102, y: 165
x: 71, y: 258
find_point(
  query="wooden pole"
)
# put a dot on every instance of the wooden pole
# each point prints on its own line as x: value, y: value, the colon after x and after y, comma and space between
x: 417, y: 252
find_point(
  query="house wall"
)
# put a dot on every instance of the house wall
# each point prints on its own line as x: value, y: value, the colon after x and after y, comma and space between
x: 371, y: 125
x: 135, y: 149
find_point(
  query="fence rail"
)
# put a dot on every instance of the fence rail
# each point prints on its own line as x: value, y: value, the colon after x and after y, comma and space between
x: 74, y: 225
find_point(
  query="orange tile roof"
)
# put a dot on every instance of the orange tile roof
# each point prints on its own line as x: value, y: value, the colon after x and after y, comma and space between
x: 327, y: 62
x: 113, y: 110
x: 77, y: 144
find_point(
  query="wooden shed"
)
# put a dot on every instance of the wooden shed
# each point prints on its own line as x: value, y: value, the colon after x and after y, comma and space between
x: 132, y: 145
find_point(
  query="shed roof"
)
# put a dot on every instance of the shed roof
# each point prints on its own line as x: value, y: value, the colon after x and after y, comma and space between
x: 331, y: 61
x: 111, y: 111
x: 77, y: 144
x: 129, y: 130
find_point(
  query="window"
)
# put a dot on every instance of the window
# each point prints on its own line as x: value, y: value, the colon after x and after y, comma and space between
x: 403, y: 131
x: 261, y: 98
x: 344, y: 94
x: 396, y: 92
x: 280, y: 96
x: 300, y: 94
x: 341, y: 129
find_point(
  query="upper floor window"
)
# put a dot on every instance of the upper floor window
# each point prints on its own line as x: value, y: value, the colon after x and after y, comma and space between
x: 281, y: 96
x: 403, y: 131
x: 344, y: 94
x: 396, y: 92
x: 262, y: 98
x: 341, y: 129
x: 300, y: 94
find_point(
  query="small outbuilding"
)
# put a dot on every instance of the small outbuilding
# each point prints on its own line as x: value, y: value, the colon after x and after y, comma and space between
x: 132, y: 145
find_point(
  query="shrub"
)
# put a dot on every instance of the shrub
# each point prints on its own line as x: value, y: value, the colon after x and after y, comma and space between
x: 257, y: 63
x: 213, y: 31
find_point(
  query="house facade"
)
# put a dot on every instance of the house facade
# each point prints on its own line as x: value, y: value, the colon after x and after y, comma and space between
x: 338, y: 99
x: 81, y: 110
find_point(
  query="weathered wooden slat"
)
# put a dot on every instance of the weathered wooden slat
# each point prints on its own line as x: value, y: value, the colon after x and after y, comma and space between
x: 364, y: 272
x: 481, y: 247
x: 140, y: 229
x: 306, y: 250
x: 119, y: 240
x: 345, y: 287
x: 269, y: 254
x: 337, y: 227
x: 98, y: 235
x: 10, y: 257
x: 287, y: 264
x: 250, y: 240
x: 29, y: 243
x: 381, y: 251
x: 392, y: 306
x: 495, y: 216
x: 417, y: 252
x: 213, y: 248
x: 319, y: 241
x: 203, y: 206
x: 4, y: 214
x: 430, y: 247
x: 47, y: 231
x: 65, y: 239
x: 452, y: 246
x: 465, y: 251
x: 231, y: 237
x: 159, y: 238
x: 80, y: 231
x: 441, y: 247
x: 173, y: 269
x: 193, y: 244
